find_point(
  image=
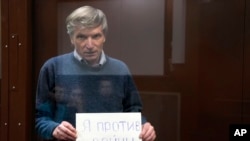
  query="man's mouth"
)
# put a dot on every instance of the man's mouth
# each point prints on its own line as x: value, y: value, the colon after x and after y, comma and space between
x: 90, y: 53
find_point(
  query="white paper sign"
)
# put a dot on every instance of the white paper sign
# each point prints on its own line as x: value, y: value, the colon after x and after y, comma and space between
x: 108, y: 126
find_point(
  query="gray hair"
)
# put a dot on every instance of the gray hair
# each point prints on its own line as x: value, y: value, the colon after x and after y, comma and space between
x: 86, y: 17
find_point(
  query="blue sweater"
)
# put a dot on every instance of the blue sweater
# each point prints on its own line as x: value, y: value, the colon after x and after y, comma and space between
x: 67, y: 86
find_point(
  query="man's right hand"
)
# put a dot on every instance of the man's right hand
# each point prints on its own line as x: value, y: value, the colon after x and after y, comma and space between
x: 65, y: 131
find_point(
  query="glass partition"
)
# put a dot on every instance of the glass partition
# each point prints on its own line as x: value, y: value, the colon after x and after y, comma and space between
x: 137, y: 35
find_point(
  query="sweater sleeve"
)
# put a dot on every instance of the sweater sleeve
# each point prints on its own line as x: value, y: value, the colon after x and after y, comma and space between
x: 132, y: 101
x: 44, y: 124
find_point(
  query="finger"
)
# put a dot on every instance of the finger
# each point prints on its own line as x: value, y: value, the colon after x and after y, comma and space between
x: 148, y: 132
x: 65, y: 131
x: 68, y: 130
x: 149, y: 137
x: 58, y: 133
x: 69, y: 127
x: 145, y: 128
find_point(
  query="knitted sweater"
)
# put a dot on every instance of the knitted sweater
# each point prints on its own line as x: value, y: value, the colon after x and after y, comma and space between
x: 67, y: 86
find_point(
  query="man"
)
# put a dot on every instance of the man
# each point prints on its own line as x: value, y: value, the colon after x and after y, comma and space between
x: 85, y: 80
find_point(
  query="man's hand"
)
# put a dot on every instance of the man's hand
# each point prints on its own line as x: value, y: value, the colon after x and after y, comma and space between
x: 148, y: 132
x: 65, y: 131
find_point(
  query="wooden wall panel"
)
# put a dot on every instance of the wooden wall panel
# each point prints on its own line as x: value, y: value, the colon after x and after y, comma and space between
x: 16, y: 98
x: 220, y: 67
x: 45, y: 33
x: 162, y: 110
x: 4, y: 129
x: 246, y: 63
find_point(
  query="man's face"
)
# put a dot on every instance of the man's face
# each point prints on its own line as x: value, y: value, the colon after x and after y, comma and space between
x: 88, y: 43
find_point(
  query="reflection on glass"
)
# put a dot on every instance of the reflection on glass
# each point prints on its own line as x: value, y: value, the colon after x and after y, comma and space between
x: 85, y: 93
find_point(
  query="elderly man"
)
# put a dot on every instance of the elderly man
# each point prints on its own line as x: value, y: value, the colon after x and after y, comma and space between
x: 84, y: 81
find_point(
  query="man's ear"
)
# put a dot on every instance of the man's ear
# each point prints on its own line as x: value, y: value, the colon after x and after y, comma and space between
x: 72, y: 41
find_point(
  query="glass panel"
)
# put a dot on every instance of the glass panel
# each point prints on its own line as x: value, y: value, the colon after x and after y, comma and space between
x: 135, y: 36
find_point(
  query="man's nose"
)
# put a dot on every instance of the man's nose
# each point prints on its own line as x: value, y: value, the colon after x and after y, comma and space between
x: 89, y: 43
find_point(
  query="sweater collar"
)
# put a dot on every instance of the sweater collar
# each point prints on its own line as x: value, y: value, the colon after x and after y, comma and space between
x: 101, y: 62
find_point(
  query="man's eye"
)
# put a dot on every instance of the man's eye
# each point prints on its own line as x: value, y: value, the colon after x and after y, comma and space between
x: 82, y: 37
x: 97, y: 36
